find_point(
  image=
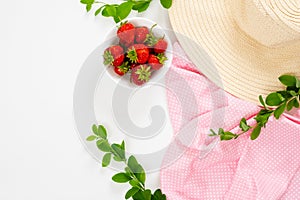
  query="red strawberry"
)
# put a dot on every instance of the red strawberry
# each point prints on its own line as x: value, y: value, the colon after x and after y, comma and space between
x: 114, y: 55
x: 122, y: 69
x: 119, y: 71
x: 138, y: 53
x: 141, y: 34
x: 133, y: 65
x: 126, y: 34
x: 160, y: 46
x: 140, y: 74
x: 156, y: 62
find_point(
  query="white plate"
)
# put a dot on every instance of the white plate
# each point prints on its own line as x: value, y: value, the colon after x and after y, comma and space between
x: 112, y: 39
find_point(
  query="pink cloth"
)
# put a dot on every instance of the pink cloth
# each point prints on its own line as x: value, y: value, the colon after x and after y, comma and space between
x: 200, y: 167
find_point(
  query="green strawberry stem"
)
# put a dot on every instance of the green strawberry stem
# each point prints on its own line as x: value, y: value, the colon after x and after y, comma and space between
x: 132, y: 55
x: 144, y: 73
x: 108, y: 58
x: 151, y: 40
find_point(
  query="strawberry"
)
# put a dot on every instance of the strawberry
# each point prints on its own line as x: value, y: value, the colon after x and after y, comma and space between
x: 140, y: 74
x: 126, y: 33
x: 114, y: 55
x: 133, y: 65
x: 151, y: 40
x: 138, y: 53
x: 156, y: 62
x: 122, y: 69
x: 119, y: 71
x: 141, y: 34
x: 160, y: 46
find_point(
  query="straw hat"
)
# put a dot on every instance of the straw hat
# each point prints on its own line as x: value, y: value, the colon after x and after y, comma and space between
x: 251, y: 42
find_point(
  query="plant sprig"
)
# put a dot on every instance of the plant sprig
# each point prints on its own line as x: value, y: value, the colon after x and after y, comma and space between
x: 275, y: 105
x: 133, y: 173
x: 120, y: 11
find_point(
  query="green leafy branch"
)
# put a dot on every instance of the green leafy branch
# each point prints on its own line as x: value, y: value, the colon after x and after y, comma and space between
x: 275, y: 104
x: 133, y: 174
x: 120, y: 11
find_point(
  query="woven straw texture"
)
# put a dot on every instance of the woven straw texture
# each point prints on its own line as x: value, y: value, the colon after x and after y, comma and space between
x: 250, y: 42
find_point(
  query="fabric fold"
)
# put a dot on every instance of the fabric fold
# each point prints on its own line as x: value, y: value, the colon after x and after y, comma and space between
x: 201, y: 167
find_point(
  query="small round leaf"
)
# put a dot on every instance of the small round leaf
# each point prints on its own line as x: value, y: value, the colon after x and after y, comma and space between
x: 274, y: 99
x: 288, y: 80
x: 121, y: 178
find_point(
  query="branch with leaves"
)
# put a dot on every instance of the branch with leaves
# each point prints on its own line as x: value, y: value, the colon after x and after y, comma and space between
x: 120, y: 11
x: 275, y: 105
x: 133, y: 174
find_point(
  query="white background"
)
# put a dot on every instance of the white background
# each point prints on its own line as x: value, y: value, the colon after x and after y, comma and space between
x: 42, y: 46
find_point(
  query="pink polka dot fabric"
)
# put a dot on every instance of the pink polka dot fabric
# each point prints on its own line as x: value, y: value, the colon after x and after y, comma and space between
x: 197, y: 166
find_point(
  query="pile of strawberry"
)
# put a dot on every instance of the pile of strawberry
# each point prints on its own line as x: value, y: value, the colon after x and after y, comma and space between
x: 139, y: 52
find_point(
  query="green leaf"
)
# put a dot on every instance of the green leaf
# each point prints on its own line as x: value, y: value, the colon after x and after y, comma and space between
x: 293, y: 93
x: 296, y: 103
x: 123, y: 10
x: 221, y: 131
x: 158, y: 195
x: 288, y: 80
x: 97, y: 12
x: 88, y: 7
x: 106, y: 159
x: 261, y: 99
x: 278, y: 112
x: 134, y: 183
x: 166, y: 3
x: 91, y: 138
x: 120, y: 152
x: 109, y: 11
x: 141, y: 176
x: 143, y: 195
x: 87, y: 1
x: 133, y: 164
x: 95, y: 130
x: 263, y: 116
x: 274, y: 99
x: 227, y: 136
x: 141, y: 6
x: 285, y: 94
x: 122, y: 145
x: 121, y: 178
x: 290, y: 104
x: 127, y: 170
x: 213, y: 133
x: 118, y: 159
x: 131, y: 192
x: 256, y: 132
x: 102, y: 132
x: 103, y: 145
x: 297, y: 83
x: 244, y: 126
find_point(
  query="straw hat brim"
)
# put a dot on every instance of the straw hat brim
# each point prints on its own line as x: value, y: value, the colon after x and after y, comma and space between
x: 245, y: 68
